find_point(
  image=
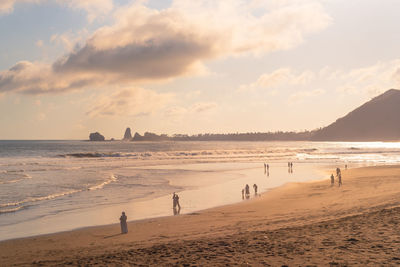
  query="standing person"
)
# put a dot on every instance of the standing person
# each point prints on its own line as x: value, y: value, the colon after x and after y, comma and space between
x: 124, y: 225
x: 243, y: 193
x: 338, y: 172
x: 247, y: 189
x: 255, y: 189
x: 332, y: 179
x: 177, y: 202
x: 174, y: 201
x: 340, y: 179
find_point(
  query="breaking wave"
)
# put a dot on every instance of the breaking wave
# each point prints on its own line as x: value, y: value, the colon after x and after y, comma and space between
x: 18, y: 205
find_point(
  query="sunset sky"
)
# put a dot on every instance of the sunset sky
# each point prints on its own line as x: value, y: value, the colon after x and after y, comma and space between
x: 71, y: 67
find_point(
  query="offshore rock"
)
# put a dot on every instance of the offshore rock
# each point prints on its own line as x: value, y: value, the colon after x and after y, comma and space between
x: 96, y: 137
x: 127, y: 135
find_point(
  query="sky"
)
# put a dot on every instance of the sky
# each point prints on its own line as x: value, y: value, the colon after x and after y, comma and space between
x: 72, y: 67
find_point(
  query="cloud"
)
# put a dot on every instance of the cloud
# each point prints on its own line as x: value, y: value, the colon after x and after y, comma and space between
x: 39, y: 78
x: 370, y: 80
x: 280, y: 77
x: 145, y: 44
x: 128, y: 102
x: 94, y: 8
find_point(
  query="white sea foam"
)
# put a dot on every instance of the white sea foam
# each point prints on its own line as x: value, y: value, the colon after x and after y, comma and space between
x: 101, y: 185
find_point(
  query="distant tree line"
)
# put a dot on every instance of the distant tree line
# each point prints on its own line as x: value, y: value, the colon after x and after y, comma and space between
x: 257, y: 136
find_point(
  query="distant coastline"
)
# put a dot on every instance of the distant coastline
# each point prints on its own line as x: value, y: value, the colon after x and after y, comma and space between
x: 268, y: 136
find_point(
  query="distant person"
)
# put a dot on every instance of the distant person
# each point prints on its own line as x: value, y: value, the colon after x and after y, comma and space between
x: 177, y: 202
x: 340, y: 179
x: 243, y: 193
x: 255, y: 189
x: 174, y: 200
x: 124, y: 225
x: 332, y: 179
x: 267, y: 167
x: 338, y: 172
x: 247, y: 191
x: 345, y: 167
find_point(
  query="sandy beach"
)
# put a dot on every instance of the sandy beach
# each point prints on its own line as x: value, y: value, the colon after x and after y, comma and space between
x: 299, y: 224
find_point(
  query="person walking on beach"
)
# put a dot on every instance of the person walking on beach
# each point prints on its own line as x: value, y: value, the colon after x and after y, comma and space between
x: 340, y: 179
x: 247, y: 190
x: 255, y: 189
x: 338, y: 172
x: 332, y: 179
x: 124, y: 225
x: 265, y: 168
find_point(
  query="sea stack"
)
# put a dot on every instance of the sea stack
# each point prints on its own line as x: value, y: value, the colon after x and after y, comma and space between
x: 96, y: 137
x: 127, y: 135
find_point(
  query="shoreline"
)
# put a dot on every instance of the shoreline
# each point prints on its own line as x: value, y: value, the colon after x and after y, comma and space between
x: 220, y: 182
x: 292, y: 206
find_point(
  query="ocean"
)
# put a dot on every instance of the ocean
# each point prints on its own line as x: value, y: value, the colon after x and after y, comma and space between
x: 51, y: 186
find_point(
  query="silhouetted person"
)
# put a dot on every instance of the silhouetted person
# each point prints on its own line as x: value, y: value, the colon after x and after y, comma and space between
x: 338, y: 172
x: 265, y: 168
x: 345, y: 167
x: 332, y: 179
x: 177, y: 202
x: 242, y: 193
x: 255, y: 189
x: 247, y: 190
x: 174, y: 200
x: 340, y: 179
x: 124, y: 225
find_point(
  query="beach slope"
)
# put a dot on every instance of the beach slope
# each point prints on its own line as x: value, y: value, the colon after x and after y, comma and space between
x: 297, y: 224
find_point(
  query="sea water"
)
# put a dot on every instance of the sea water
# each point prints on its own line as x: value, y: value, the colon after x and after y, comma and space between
x: 50, y: 186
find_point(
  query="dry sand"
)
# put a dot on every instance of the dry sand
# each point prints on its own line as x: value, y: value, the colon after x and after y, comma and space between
x: 299, y: 224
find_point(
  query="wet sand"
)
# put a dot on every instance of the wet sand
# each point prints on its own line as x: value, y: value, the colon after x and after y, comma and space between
x: 297, y: 224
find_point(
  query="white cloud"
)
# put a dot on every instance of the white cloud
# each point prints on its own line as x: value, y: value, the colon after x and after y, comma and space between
x: 145, y: 44
x: 94, y: 8
x: 280, y: 77
x: 370, y: 80
x: 128, y: 102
